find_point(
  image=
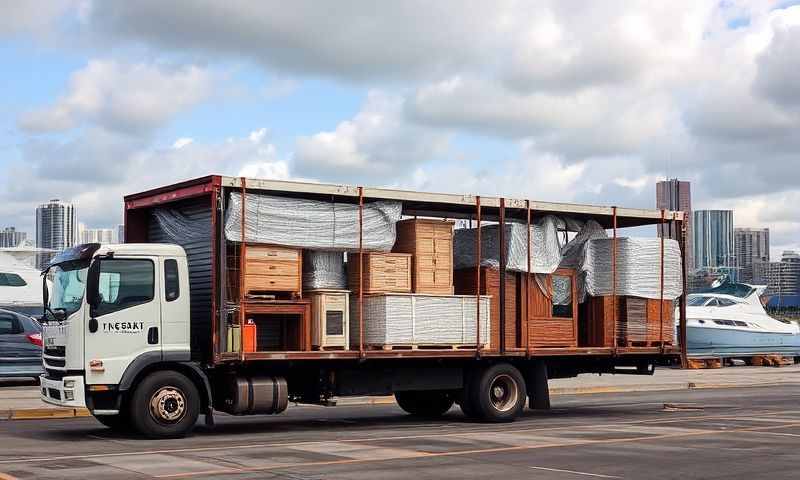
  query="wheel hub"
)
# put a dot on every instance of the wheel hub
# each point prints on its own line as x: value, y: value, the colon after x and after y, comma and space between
x: 504, y: 393
x: 168, y: 405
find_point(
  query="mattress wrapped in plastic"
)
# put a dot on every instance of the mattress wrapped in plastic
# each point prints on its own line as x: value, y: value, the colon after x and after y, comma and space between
x: 312, y: 224
x: 411, y: 319
x: 545, y: 246
x: 638, y: 268
x: 322, y: 269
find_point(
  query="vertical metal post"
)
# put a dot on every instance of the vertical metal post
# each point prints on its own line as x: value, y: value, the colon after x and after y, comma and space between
x: 361, y: 352
x: 682, y: 335
x: 614, y: 278
x: 661, y: 296
x: 528, y: 275
x: 478, y: 278
x: 502, y: 295
x: 242, y: 267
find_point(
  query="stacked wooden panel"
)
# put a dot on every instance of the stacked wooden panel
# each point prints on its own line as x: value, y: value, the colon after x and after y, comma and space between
x: 383, y: 273
x: 430, y: 242
x: 639, y: 322
x: 419, y: 321
x: 271, y: 269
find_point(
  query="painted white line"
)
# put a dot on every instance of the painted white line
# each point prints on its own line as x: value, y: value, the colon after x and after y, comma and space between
x: 573, y: 472
x: 781, y: 434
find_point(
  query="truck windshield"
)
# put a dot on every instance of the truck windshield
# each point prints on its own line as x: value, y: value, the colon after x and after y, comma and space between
x: 66, y: 284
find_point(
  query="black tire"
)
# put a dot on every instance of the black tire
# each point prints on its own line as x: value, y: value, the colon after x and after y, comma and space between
x: 425, y: 403
x: 497, y: 393
x: 118, y: 423
x: 165, y: 405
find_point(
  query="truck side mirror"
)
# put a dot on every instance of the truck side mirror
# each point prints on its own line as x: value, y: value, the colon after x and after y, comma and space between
x: 93, y: 284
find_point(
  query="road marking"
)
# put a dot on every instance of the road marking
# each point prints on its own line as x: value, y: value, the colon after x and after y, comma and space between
x: 587, y: 474
x: 782, y: 434
x: 476, y: 451
x: 385, y: 438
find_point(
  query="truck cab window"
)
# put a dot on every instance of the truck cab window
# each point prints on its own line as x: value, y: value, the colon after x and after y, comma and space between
x: 171, y: 283
x: 124, y: 283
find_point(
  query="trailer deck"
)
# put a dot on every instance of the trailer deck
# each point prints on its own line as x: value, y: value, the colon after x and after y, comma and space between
x: 205, y: 197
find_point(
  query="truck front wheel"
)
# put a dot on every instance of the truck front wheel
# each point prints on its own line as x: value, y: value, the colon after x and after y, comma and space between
x: 165, y: 404
x: 425, y: 403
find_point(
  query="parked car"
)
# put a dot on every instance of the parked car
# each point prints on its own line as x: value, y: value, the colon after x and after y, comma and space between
x: 20, y: 345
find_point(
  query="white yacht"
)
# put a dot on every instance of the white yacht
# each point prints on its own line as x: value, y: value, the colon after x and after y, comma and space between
x: 20, y: 280
x: 729, y: 320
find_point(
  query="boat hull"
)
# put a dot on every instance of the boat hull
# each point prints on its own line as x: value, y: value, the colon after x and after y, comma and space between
x: 732, y: 342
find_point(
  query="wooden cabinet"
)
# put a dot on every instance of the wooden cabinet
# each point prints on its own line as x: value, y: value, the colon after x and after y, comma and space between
x: 270, y: 269
x: 639, y: 322
x: 431, y: 244
x: 383, y: 272
x: 330, y: 311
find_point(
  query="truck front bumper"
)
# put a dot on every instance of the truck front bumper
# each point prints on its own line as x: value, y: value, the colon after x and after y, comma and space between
x: 67, y: 392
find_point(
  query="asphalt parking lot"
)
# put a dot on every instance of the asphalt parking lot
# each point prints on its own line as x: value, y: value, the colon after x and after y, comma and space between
x: 731, y: 433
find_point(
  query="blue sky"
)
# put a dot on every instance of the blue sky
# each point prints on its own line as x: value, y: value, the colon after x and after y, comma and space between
x: 534, y: 99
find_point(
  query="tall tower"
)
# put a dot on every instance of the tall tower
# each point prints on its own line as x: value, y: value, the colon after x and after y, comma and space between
x: 55, y: 225
x: 714, y: 242
x: 674, y: 194
x: 752, y: 246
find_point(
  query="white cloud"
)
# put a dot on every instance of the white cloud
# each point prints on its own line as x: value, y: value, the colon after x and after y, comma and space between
x: 182, y: 142
x: 97, y: 186
x: 377, y: 143
x: 131, y: 98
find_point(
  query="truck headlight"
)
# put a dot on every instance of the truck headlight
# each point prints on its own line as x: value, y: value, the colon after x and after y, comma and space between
x: 69, y: 383
x: 69, y: 395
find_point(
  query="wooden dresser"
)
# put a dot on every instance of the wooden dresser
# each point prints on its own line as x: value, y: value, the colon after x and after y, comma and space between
x: 383, y: 272
x: 271, y: 269
x: 431, y: 244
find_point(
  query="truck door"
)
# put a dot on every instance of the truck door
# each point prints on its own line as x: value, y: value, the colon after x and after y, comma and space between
x: 125, y: 325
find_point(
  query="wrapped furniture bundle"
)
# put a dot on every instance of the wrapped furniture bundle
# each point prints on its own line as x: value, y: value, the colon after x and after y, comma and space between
x: 311, y: 224
x: 323, y: 270
x: 545, y: 246
x: 638, y: 268
x: 397, y: 319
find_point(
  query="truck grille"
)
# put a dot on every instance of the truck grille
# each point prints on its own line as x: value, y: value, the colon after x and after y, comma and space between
x: 56, y: 351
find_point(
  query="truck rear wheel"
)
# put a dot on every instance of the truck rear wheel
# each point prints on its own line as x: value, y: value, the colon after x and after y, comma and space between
x: 425, y: 403
x: 497, y: 393
x: 165, y: 405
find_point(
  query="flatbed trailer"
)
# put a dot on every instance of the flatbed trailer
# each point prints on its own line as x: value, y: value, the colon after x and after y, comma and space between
x: 490, y: 382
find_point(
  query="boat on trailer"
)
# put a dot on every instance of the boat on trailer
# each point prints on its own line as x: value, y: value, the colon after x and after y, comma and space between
x: 730, y: 320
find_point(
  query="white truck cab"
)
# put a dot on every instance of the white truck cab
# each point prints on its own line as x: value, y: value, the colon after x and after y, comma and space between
x: 115, y: 317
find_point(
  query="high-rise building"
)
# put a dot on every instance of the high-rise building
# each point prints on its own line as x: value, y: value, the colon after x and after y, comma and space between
x: 714, y: 242
x: 752, y: 246
x: 674, y: 194
x: 781, y: 278
x: 55, y: 225
x: 120, y: 234
x: 96, y: 235
x: 10, y: 237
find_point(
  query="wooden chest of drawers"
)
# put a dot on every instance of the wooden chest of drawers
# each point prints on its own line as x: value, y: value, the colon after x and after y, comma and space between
x: 383, y: 272
x: 272, y: 269
x: 431, y: 244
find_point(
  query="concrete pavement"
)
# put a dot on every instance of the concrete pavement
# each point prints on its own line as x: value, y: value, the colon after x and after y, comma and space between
x: 729, y: 433
x: 20, y: 399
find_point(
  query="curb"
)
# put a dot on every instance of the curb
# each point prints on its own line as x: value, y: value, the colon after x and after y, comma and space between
x: 42, y: 413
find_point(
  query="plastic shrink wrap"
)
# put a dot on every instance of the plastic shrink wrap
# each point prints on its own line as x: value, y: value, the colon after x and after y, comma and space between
x: 311, y: 224
x: 323, y: 269
x: 410, y: 319
x: 545, y: 246
x: 638, y: 268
